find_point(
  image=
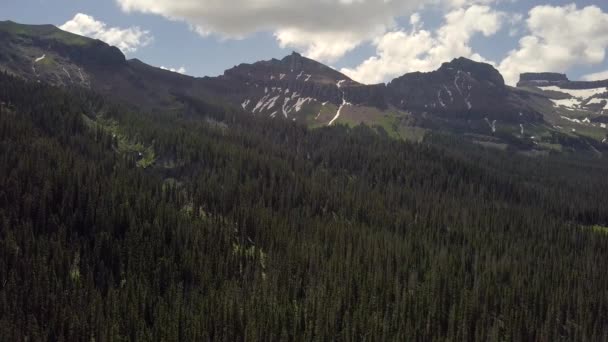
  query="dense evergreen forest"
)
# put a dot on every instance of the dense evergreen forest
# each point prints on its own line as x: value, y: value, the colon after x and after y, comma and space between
x: 211, y: 224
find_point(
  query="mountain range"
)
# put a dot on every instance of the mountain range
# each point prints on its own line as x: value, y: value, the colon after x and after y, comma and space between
x: 545, y: 113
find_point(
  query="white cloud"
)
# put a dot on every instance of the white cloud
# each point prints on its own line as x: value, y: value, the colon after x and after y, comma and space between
x: 399, y: 52
x: 558, y: 39
x: 323, y: 29
x: 324, y: 46
x: 467, y: 3
x: 598, y: 76
x: 553, y: 38
x: 180, y: 70
x: 128, y: 40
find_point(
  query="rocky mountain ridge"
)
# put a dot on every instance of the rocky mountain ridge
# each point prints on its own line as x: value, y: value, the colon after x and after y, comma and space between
x: 557, y: 79
x: 462, y: 96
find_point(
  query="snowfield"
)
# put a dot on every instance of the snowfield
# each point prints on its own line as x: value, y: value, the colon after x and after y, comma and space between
x: 579, y: 93
x: 568, y: 103
x: 599, y: 101
x: 344, y: 103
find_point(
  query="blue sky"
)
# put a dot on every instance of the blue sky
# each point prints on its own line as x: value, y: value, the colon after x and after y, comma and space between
x: 370, y: 40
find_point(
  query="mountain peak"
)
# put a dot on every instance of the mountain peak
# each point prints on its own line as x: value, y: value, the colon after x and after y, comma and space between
x: 49, y: 37
x: 39, y: 31
x: 462, y: 61
x: 291, y: 68
x: 461, y: 86
x: 46, y: 53
x: 478, y: 70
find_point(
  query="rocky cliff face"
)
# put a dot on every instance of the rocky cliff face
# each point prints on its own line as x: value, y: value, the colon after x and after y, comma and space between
x: 541, y: 78
x: 545, y: 79
x: 287, y: 87
x: 573, y: 101
x: 96, y: 54
x: 48, y: 54
x: 45, y: 53
x: 460, y: 88
x: 294, y: 69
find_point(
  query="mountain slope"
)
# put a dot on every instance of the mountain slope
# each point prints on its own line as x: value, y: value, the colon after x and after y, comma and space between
x: 47, y: 54
x: 573, y: 107
x: 296, y: 88
x: 461, y: 86
x: 462, y: 97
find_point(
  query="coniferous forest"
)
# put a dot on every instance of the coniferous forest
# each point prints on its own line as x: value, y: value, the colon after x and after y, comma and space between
x: 212, y: 224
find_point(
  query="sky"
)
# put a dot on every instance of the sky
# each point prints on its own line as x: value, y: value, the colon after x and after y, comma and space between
x: 372, y: 41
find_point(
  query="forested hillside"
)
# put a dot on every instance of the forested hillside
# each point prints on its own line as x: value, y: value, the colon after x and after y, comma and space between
x: 120, y: 225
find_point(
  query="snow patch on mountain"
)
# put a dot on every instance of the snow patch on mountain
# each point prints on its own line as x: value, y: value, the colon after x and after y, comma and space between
x: 284, y: 108
x: 460, y: 83
x: 578, y: 93
x: 301, y: 102
x: 270, y: 104
x: 320, y: 110
x: 261, y: 103
x: 344, y: 104
x: 596, y: 100
x: 245, y: 103
x: 492, y: 125
x: 571, y: 120
x: 440, y: 100
x: 570, y: 104
x: 449, y: 92
x: 456, y: 79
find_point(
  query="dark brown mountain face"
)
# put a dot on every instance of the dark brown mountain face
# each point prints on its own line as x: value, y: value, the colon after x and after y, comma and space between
x: 459, y: 88
x: 293, y: 69
x: 547, y: 79
x: 45, y: 53
x: 541, y: 79
x: 293, y: 86
x: 281, y: 81
x: 462, y: 96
